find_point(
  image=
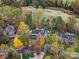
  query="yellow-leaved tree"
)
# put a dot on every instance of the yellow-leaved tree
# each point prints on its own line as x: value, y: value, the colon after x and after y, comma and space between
x: 42, y: 40
x: 55, y: 45
x: 17, y: 43
x: 22, y: 28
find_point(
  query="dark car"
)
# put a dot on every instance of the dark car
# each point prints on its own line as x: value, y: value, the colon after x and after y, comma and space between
x: 69, y: 37
x: 35, y: 32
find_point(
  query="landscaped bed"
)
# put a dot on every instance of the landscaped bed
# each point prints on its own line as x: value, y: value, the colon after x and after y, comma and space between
x: 28, y: 32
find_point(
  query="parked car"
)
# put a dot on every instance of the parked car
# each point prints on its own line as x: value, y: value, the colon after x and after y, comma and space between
x: 69, y: 37
x: 35, y: 32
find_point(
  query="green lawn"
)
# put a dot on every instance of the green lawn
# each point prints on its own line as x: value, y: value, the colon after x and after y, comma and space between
x: 77, y: 38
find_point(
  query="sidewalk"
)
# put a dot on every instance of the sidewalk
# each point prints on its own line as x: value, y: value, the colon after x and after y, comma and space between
x: 73, y: 54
